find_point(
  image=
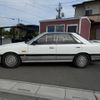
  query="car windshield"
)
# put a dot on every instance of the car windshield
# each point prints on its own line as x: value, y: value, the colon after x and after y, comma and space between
x: 30, y: 41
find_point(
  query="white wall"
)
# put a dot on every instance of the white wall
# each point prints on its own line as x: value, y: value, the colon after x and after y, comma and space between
x: 94, y: 6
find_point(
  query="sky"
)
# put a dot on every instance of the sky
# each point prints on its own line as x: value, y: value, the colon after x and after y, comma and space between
x: 27, y: 12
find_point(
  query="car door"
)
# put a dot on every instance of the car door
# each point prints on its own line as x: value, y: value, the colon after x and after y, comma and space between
x: 44, y: 48
x: 67, y: 47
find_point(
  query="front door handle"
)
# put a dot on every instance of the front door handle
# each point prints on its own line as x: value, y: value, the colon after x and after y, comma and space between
x: 78, y: 47
x: 51, y: 47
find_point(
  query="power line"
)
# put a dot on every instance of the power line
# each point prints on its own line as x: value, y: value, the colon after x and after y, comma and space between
x: 71, y: 1
x: 17, y: 19
x: 49, y: 5
x: 7, y: 18
x: 38, y: 6
x: 66, y: 2
x: 22, y: 11
x: 44, y: 6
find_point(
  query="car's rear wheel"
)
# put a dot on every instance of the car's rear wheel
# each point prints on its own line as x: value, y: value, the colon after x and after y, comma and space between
x: 81, y: 60
x: 11, y: 60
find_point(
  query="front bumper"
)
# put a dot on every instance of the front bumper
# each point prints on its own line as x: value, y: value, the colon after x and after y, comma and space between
x: 0, y: 59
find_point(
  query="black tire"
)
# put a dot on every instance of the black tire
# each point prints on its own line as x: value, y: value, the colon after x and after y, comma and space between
x: 81, y: 60
x: 10, y: 60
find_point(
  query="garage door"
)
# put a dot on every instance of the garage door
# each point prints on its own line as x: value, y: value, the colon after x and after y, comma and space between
x: 97, y: 34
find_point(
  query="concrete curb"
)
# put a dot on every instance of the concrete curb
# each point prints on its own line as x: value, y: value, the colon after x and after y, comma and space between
x: 48, y: 92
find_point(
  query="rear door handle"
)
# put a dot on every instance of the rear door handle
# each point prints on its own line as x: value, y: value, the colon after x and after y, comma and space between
x: 78, y: 47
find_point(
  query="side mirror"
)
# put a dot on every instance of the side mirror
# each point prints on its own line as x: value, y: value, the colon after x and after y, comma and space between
x: 34, y: 42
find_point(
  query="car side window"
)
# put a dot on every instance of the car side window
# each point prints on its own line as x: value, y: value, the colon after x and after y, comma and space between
x: 42, y: 40
x: 65, y: 39
x: 46, y: 39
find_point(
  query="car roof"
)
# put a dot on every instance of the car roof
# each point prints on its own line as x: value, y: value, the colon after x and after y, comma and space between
x: 57, y: 32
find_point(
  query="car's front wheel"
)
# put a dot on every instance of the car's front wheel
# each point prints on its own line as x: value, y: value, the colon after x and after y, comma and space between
x: 81, y: 60
x: 11, y: 60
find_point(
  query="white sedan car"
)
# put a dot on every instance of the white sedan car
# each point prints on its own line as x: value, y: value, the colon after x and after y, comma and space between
x: 51, y: 47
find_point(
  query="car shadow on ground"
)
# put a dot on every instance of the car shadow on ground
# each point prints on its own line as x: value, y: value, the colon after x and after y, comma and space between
x: 68, y: 65
x: 53, y: 64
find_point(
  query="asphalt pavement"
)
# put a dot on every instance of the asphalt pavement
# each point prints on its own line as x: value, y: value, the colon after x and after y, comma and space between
x: 61, y: 74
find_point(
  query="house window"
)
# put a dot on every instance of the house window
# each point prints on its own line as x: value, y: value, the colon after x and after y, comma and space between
x: 51, y: 28
x: 72, y: 28
x: 88, y: 12
x: 56, y: 28
x: 59, y: 28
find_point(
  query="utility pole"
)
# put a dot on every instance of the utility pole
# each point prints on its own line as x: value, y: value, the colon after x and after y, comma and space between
x: 1, y: 36
x: 59, y: 11
x: 18, y: 20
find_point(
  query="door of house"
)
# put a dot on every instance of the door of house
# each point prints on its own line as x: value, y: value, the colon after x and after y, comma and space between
x: 97, y: 34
